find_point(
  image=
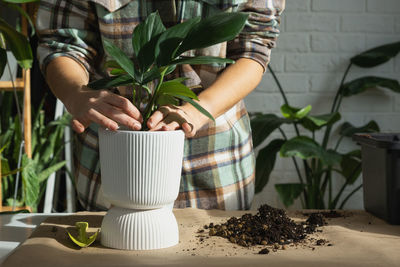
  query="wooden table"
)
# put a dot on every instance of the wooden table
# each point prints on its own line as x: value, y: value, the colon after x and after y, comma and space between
x: 358, y: 239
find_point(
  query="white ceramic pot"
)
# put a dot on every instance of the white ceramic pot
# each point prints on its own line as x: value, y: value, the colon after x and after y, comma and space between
x: 140, y: 174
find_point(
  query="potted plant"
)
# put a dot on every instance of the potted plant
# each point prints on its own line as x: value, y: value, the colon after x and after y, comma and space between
x: 140, y: 169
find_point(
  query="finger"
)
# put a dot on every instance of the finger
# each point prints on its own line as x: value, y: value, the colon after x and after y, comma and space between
x: 171, y: 126
x: 77, y: 126
x: 102, y: 120
x: 157, y: 117
x: 117, y: 115
x: 125, y: 105
x: 158, y: 127
x: 188, y: 129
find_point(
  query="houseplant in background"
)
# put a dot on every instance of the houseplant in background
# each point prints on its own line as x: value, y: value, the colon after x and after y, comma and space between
x: 318, y: 159
x: 141, y: 170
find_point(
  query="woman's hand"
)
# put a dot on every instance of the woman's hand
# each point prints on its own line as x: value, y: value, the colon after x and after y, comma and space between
x: 102, y: 107
x: 169, y: 118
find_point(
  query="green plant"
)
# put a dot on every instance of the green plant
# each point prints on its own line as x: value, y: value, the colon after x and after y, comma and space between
x: 82, y: 240
x: 318, y: 159
x: 14, y: 40
x: 47, y: 146
x: 157, y: 53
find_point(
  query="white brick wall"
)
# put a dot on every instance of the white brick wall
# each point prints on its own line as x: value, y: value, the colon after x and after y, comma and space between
x: 317, y: 40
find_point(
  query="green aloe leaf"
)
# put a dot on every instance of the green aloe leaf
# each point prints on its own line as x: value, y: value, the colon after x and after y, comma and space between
x: 202, y: 60
x: 82, y: 240
x: 370, y: 82
x: 169, y: 40
x: 347, y: 129
x: 111, y: 82
x: 376, y: 56
x: 295, y: 113
x: 18, y: 45
x: 316, y: 122
x: 121, y: 58
x: 43, y: 175
x: 289, y: 192
x: 3, y: 60
x: 263, y: 125
x: 265, y: 163
x: 305, y: 148
x: 351, y: 166
x: 213, y: 30
x: 144, y: 39
x: 196, y: 105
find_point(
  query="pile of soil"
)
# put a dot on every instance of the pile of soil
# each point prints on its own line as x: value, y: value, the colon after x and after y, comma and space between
x: 270, y: 226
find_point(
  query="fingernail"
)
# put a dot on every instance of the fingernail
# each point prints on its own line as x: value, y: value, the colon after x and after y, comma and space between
x: 137, y: 126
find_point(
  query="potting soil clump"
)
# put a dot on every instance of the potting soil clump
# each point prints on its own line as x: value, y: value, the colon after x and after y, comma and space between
x: 270, y: 226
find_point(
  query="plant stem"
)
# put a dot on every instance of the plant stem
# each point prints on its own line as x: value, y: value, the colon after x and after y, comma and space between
x: 279, y: 85
x: 335, y: 106
x: 349, y: 195
x: 338, y: 142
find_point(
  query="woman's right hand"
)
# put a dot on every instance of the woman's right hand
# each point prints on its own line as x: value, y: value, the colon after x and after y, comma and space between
x: 102, y: 107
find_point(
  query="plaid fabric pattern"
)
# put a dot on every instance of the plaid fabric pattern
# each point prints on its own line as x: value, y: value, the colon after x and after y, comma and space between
x: 218, y: 164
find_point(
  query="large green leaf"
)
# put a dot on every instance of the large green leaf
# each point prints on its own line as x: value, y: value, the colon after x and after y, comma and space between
x: 3, y: 60
x: 316, y: 122
x: 121, y: 58
x: 305, y: 148
x: 30, y: 183
x: 265, y: 163
x: 18, y: 45
x: 295, y: 113
x: 347, y: 129
x: 370, y: 82
x: 376, y: 56
x: 263, y: 125
x: 201, y: 60
x: 196, y: 105
x: 175, y: 88
x: 289, y: 192
x: 144, y: 41
x: 170, y: 40
x: 351, y: 166
x: 213, y: 30
x: 151, y: 75
x: 111, y: 82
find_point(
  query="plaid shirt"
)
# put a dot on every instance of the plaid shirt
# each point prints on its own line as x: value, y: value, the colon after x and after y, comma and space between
x: 218, y: 164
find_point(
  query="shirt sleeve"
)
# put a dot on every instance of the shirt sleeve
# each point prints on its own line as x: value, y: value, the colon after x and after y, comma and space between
x: 260, y: 33
x: 68, y: 28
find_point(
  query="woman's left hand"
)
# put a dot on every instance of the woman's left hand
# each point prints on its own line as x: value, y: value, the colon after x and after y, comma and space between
x: 170, y: 118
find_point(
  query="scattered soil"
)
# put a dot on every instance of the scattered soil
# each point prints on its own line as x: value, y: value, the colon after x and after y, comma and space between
x: 327, y: 214
x: 269, y: 227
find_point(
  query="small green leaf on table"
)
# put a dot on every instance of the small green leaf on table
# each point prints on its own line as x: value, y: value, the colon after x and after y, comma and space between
x: 83, y: 240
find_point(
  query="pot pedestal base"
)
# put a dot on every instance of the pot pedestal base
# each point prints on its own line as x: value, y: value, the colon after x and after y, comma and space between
x: 131, y: 229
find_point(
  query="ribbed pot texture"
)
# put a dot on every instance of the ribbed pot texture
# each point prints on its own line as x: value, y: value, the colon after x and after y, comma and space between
x: 141, y: 170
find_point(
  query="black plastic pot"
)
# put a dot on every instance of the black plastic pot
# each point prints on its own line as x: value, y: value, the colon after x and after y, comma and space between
x: 381, y: 174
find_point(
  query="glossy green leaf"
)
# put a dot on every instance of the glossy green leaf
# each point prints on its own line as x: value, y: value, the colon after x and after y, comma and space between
x: 295, y: 113
x: 347, y: 129
x: 151, y: 75
x: 202, y: 60
x: 3, y: 60
x: 213, y: 30
x: 369, y: 82
x: 196, y: 105
x: 305, y: 148
x: 120, y: 57
x: 265, y: 163
x: 175, y: 88
x: 289, y: 192
x: 144, y: 39
x: 351, y: 166
x: 111, y: 82
x: 376, y: 56
x: 316, y: 122
x: 170, y: 40
x: 18, y: 45
x: 82, y: 240
x: 164, y: 100
x: 117, y: 72
x: 263, y: 125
